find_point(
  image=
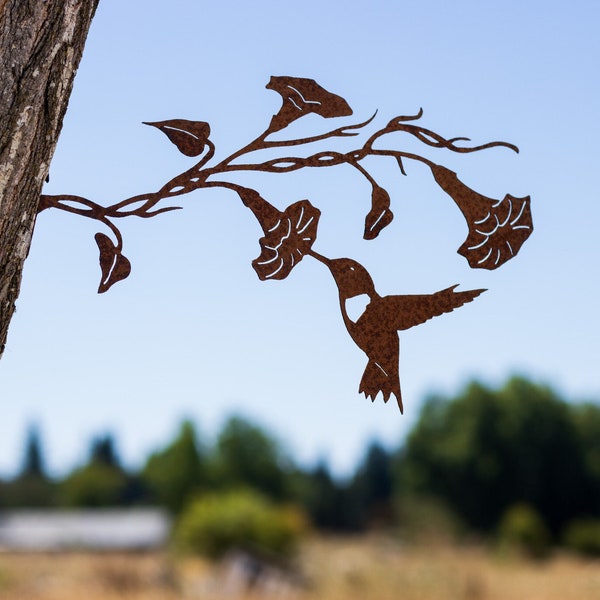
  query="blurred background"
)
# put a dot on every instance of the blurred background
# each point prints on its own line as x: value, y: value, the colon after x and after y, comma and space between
x: 505, y: 481
x: 192, y: 381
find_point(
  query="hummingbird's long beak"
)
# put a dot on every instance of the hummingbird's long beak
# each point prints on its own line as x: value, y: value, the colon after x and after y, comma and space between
x: 326, y: 261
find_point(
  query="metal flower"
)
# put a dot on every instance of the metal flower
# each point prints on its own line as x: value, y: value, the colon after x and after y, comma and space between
x: 302, y: 96
x: 497, y: 228
x: 287, y: 241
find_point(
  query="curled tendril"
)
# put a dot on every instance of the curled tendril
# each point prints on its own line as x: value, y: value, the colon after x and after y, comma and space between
x: 201, y: 175
x: 431, y: 138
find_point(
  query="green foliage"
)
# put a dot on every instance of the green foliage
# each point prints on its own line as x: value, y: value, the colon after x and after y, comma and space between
x: 103, y: 451
x: 362, y: 501
x: 586, y: 419
x: 317, y: 493
x: 467, y: 461
x: 372, y: 486
x: 246, y: 455
x: 214, y: 524
x: 94, y: 485
x: 523, y: 529
x: 33, y: 465
x: 102, y: 482
x: 177, y: 471
x: 330, y: 505
x: 28, y: 491
x: 583, y: 536
x: 31, y: 488
x: 487, y: 449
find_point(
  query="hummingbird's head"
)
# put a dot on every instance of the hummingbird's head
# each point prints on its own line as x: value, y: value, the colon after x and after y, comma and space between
x: 352, y: 278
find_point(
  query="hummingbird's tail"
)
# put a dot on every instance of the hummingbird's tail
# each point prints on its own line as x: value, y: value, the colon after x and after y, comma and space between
x: 375, y: 379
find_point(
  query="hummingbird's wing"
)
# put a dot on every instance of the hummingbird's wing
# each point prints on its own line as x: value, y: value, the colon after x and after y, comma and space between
x: 403, y: 312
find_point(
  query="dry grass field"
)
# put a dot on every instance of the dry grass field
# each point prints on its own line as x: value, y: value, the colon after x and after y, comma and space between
x: 332, y: 569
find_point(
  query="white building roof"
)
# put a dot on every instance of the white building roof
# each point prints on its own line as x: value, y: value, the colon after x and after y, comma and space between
x: 110, y: 529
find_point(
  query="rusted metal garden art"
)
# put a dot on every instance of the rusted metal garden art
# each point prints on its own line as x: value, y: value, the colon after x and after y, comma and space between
x: 497, y: 228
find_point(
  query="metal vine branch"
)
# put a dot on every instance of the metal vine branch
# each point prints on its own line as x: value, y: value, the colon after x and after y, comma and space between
x: 497, y: 228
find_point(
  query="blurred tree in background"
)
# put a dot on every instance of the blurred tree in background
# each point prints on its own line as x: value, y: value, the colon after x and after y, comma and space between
x: 215, y: 523
x: 32, y: 488
x: 33, y: 465
x: 485, y: 450
x: 103, y: 451
x: 101, y: 482
x: 523, y: 530
x: 586, y: 420
x: 320, y: 495
x: 173, y: 474
x: 373, y: 487
x: 245, y: 455
x: 583, y: 537
x: 516, y: 462
x: 364, y: 500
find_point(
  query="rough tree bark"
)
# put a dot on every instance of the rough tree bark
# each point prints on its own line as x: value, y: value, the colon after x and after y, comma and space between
x: 41, y: 42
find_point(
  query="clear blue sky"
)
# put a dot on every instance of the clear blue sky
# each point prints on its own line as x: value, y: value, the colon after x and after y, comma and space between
x: 193, y: 332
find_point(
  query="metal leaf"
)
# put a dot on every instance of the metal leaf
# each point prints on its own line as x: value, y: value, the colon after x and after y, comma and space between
x: 113, y: 264
x: 380, y: 215
x: 189, y: 136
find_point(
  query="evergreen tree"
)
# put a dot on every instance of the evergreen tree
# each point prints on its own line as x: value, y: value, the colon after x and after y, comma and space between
x: 246, y: 455
x: 373, y: 487
x: 33, y: 464
x: 176, y: 472
x: 320, y: 498
x: 101, y: 482
x: 31, y: 488
x: 103, y: 452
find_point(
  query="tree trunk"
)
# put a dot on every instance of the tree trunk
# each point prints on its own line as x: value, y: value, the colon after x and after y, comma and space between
x: 41, y: 42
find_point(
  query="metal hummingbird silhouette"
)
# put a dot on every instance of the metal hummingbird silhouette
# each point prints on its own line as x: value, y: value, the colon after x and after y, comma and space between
x: 375, y: 331
x: 497, y: 228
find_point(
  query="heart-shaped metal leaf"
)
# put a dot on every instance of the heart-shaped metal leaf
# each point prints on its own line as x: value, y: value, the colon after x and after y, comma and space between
x: 190, y: 137
x: 113, y: 264
x: 380, y: 215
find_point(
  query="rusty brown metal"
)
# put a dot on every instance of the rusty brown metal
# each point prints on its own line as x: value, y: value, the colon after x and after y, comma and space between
x: 375, y: 331
x: 497, y: 229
